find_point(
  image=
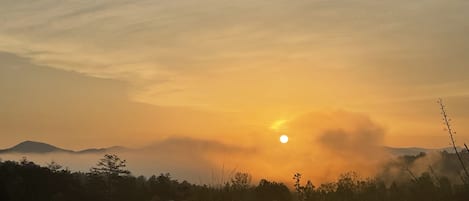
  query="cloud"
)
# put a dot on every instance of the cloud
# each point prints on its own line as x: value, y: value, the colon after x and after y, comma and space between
x: 258, y: 59
x: 75, y: 110
x: 193, y: 44
x: 310, y: 151
x: 191, y: 146
x: 347, y: 143
x: 322, y: 145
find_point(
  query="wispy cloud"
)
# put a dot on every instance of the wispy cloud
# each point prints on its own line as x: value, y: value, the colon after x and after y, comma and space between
x: 191, y: 44
x: 255, y: 61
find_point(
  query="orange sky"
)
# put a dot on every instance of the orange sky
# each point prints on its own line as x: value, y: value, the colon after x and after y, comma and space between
x: 115, y: 72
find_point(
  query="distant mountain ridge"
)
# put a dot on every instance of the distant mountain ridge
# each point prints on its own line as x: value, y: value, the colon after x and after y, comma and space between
x: 406, y: 150
x: 417, y: 150
x: 34, y: 147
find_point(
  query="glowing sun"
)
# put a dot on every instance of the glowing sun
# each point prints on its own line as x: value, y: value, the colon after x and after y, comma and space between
x: 283, y: 139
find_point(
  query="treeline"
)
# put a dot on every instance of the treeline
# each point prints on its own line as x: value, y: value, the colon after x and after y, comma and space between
x: 110, y: 181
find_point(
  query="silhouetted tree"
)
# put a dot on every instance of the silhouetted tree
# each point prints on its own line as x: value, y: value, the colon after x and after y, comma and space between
x: 241, y: 180
x: 111, y: 165
x: 27, y: 181
x: 54, y: 166
x: 109, y: 171
x: 306, y: 192
x: 272, y: 191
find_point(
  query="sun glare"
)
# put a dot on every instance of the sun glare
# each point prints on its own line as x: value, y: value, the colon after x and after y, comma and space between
x: 277, y: 125
x: 284, y: 139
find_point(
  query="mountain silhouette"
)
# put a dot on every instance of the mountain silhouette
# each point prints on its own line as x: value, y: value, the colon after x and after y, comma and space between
x: 43, y: 148
x: 102, y: 150
x: 400, y: 151
x: 33, y: 147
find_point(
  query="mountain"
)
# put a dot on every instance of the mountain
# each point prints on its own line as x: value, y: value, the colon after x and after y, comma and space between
x: 406, y: 150
x: 33, y: 147
x: 399, y: 151
x: 103, y: 150
x: 42, y: 148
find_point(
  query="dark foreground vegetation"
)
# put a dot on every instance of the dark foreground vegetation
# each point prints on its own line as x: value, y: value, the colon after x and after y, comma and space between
x: 110, y: 181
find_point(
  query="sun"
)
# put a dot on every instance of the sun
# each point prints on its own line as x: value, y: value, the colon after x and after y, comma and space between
x: 283, y: 139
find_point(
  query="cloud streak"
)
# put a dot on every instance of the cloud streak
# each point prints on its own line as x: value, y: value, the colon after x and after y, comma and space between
x: 187, y: 42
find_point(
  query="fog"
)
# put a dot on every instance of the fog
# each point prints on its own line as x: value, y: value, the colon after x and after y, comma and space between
x: 322, y: 145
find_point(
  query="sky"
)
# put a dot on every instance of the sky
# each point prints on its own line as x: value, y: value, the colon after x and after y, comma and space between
x: 330, y: 74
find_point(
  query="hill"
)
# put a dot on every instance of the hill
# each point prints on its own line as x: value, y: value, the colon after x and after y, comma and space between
x: 34, y: 147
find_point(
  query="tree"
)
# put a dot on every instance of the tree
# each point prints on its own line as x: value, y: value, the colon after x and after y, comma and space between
x: 110, y: 168
x: 111, y: 165
x: 54, y: 166
x: 269, y: 191
x: 241, y: 180
x: 303, y: 192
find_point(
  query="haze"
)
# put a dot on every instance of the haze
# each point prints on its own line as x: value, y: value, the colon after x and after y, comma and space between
x: 333, y: 75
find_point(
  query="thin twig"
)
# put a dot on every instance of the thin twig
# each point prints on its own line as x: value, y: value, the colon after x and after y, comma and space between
x: 451, y: 136
x: 414, y: 178
x: 432, y: 172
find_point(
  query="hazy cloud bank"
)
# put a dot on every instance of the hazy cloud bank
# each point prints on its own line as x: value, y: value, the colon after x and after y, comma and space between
x: 322, y: 146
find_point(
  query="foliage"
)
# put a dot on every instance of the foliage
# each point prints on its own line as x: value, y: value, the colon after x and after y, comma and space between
x: 304, y: 193
x: 241, y: 180
x: 26, y: 181
x: 110, y: 165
